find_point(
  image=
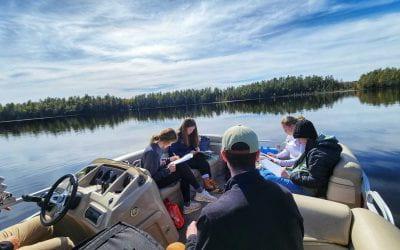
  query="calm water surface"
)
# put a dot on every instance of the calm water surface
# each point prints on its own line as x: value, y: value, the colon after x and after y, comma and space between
x: 34, y: 155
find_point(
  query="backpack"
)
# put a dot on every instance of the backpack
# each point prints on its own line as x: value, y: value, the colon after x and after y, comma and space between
x: 120, y: 236
x: 204, y: 143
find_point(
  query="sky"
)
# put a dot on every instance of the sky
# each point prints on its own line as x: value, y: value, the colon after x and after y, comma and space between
x: 66, y: 48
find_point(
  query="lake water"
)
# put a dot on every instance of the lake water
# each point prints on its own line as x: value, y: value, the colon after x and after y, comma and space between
x: 33, y: 155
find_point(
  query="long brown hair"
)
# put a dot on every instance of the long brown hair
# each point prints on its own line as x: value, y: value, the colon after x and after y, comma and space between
x: 193, y: 138
x: 166, y: 135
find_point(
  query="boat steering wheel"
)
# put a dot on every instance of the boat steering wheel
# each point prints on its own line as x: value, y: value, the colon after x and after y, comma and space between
x: 58, y: 200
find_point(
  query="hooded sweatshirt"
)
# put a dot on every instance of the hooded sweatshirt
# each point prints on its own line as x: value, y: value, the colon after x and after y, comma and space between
x: 317, y: 165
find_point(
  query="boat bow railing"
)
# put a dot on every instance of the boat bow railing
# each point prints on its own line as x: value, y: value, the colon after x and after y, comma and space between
x: 374, y: 201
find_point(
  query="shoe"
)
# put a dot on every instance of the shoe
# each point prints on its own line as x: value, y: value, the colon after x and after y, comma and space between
x: 205, y: 196
x: 194, y: 206
x: 212, y: 186
x: 216, y: 190
x: 208, y: 184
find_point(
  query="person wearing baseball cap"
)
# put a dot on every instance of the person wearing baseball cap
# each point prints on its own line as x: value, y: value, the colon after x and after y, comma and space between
x: 253, y: 213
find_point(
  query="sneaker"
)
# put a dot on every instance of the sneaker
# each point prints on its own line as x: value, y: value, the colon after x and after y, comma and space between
x: 194, y: 206
x: 205, y: 196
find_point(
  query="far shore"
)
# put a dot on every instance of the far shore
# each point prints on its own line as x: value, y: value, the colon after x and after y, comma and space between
x: 191, y: 104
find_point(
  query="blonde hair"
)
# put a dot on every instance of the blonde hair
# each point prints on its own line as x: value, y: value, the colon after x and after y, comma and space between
x: 166, y: 135
x: 291, y: 120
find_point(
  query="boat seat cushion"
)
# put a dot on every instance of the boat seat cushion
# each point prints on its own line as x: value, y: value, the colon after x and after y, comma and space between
x: 345, y: 183
x: 324, y: 221
x: 371, y: 232
x: 313, y: 244
x: 348, y: 167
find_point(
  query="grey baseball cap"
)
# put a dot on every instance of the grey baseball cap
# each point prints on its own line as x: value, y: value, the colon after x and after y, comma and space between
x: 242, y: 134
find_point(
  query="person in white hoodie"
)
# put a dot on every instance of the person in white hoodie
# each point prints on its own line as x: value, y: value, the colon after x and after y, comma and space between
x: 293, y: 149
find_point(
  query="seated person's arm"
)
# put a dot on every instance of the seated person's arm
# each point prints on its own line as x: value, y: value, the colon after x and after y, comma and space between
x: 286, y: 163
x: 179, y: 149
x: 316, y: 178
x: 283, y: 154
x: 206, y: 237
x: 151, y: 162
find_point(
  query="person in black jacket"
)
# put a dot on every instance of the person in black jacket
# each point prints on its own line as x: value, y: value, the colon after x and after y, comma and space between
x: 253, y: 213
x: 164, y: 172
x: 313, y: 169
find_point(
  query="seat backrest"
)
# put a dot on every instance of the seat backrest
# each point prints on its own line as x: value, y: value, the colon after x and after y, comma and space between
x: 326, y: 223
x: 345, y: 183
x: 370, y: 231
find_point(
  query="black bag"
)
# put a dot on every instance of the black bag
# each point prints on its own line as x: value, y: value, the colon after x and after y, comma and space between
x: 204, y: 143
x: 120, y: 236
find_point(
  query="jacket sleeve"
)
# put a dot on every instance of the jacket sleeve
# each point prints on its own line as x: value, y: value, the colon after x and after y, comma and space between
x: 283, y: 154
x: 178, y: 148
x: 151, y: 162
x: 206, y: 237
x: 287, y: 163
x: 317, y: 176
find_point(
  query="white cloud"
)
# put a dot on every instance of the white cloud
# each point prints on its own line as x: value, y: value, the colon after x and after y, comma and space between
x: 110, y: 47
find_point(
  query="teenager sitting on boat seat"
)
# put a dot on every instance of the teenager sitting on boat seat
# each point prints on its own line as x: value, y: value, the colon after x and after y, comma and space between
x: 310, y: 175
x: 252, y: 213
x: 31, y: 234
x: 188, y: 142
x: 293, y: 148
x: 164, y: 172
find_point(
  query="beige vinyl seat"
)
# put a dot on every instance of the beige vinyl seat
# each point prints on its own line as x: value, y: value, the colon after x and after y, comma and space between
x: 345, y: 183
x: 331, y: 225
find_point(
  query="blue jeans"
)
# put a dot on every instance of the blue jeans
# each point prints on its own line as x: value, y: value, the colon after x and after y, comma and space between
x: 268, y: 175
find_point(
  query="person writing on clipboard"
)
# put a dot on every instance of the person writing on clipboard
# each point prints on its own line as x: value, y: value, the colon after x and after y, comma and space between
x: 188, y: 142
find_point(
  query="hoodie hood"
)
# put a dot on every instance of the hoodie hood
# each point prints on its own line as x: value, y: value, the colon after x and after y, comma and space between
x: 329, y: 141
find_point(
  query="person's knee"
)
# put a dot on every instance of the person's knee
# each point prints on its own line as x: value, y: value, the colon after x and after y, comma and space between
x: 54, y: 243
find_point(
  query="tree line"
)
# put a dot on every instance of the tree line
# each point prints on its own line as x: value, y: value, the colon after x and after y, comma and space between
x: 380, y: 79
x: 283, y: 86
x: 281, y: 106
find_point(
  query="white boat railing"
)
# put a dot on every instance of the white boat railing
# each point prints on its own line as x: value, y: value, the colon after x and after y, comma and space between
x: 375, y: 202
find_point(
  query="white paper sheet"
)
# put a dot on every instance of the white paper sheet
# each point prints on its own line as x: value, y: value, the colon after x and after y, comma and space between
x: 184, y: 158
x: 273, y: 167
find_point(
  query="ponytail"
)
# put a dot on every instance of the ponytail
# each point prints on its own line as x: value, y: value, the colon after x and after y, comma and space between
x: 166, y: 135
x: 154, y: 138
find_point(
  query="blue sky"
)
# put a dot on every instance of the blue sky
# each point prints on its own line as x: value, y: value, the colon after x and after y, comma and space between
x: 64, y: 48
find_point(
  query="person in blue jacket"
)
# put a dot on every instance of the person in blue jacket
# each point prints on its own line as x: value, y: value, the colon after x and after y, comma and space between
x: 188, y: 142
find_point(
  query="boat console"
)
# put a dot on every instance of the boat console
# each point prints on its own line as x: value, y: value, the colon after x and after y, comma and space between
x: 111, y: 191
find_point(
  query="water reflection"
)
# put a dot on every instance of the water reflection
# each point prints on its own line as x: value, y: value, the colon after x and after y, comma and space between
x: 377, y: 98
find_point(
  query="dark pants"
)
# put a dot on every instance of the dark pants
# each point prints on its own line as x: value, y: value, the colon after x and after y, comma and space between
x: 199, y: 162
x: 185, y: 175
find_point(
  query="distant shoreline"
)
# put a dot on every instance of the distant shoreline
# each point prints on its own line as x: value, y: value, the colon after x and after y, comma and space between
x: 184, y: 105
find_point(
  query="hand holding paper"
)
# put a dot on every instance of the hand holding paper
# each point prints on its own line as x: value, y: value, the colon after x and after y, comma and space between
x: 183, y: 159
